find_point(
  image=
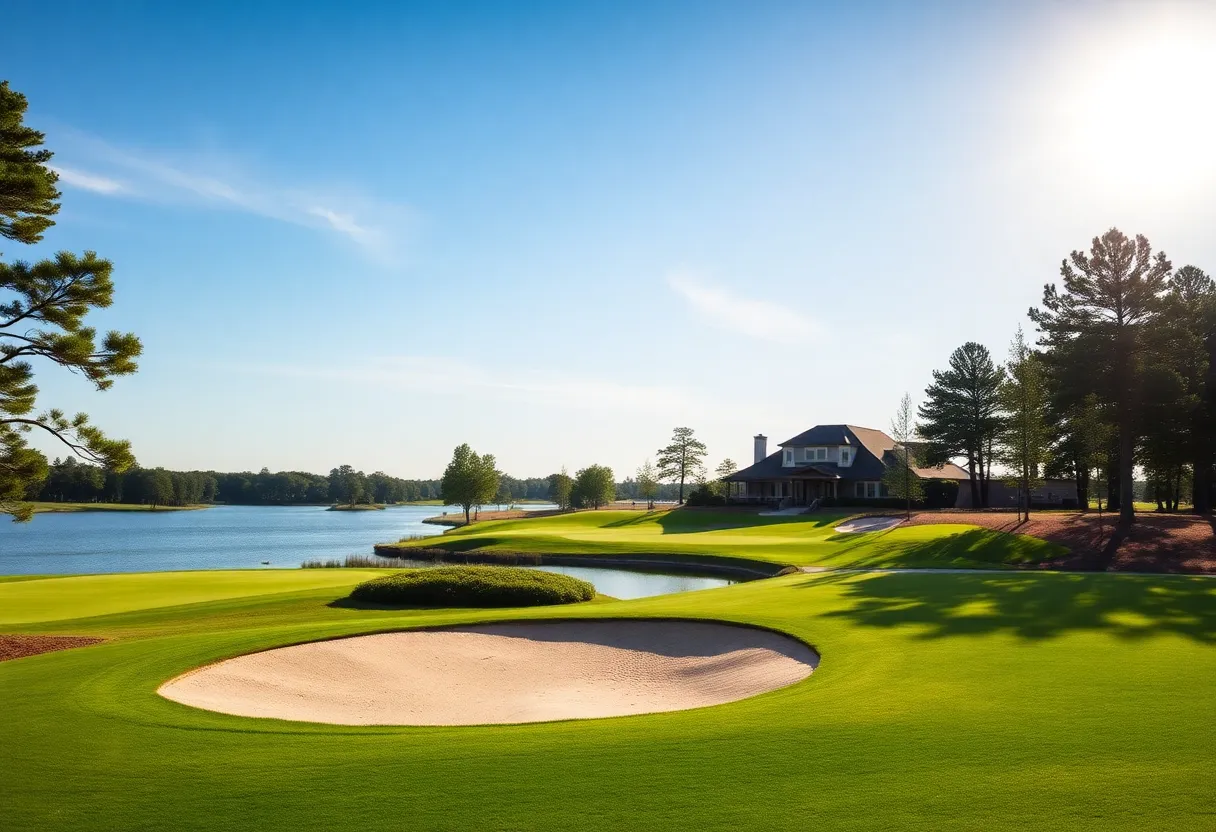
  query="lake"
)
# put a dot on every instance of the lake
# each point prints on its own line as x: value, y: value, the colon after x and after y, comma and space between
x: 242, y: 537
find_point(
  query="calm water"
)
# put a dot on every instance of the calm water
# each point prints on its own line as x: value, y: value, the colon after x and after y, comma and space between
x: 241, y: 537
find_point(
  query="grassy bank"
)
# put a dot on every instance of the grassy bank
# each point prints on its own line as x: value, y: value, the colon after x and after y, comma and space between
x: 44, y: 507
x: 358, y: 507
x: 943, y: 701
x: 797, y: 540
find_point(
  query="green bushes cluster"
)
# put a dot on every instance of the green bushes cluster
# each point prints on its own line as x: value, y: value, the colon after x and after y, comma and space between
x: 473, y: 586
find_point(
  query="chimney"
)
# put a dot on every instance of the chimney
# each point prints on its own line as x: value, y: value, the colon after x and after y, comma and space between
x: 761, y: 446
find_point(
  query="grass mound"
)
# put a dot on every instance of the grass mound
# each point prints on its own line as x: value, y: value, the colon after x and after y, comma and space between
x: 473, y: 586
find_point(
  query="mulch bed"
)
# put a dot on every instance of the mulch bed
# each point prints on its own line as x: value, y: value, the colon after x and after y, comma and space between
x: 1154, y: 543
x: 17, y: 647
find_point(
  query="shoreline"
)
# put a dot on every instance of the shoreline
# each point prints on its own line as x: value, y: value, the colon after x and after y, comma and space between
x: 715, y: 565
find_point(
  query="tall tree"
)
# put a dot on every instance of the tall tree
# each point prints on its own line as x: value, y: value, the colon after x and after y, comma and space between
x: 1110, y: 296
x: 43, y: 307
x: 594, y: 486
x: 1024, y: 439
x: 961, y: 417
x: 901, y: 479
x: 1191, y: 303
x: 560, y: 486
x: 682, y: 459
x: 648, y: 483
x: 469, y: 480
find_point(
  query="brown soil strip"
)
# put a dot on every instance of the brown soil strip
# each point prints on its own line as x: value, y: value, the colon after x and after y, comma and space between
x: 17, y: 647
x: 1154, y: 543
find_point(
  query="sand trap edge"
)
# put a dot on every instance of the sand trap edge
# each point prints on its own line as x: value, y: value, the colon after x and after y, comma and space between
x: 813, y: 661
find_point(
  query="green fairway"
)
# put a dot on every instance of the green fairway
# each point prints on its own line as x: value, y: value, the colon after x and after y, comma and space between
x: 1035, y: 701
x: 798, y: 540
x: 84, y: 596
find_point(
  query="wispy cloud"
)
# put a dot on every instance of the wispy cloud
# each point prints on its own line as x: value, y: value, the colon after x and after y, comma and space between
x: 760, y: 319
x: 379, y: 228
x: 88, y: 182
x: 436, y: 375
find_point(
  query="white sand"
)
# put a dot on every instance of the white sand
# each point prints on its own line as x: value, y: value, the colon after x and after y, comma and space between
x: 869, y: 524
x: 501, y: 673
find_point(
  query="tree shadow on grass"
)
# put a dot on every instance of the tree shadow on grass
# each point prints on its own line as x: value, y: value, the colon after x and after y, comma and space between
x: 961, y: 548
x: 691, y: 521
x: 1031, y: 606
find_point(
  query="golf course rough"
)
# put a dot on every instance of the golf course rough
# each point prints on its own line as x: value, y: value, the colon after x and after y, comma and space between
x: 1036, y: 701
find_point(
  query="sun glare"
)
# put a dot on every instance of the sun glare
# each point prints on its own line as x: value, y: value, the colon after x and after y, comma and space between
x: 1145, y: 110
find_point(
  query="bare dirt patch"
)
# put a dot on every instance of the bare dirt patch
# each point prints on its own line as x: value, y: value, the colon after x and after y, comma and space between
x: 17, y: 647
x: 501, y: 673
x: 1154, y: 543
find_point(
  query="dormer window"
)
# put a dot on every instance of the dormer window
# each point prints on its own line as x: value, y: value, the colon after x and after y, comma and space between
x: 846, y: 457
x: 788, y: 457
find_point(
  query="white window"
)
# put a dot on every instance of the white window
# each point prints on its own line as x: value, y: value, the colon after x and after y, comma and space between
x: 868, y: 490
x: 821, y: 454
x: 789, y: 457
x: 846, y: 456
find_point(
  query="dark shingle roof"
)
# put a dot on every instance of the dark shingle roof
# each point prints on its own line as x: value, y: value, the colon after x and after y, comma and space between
x: 868, y: 463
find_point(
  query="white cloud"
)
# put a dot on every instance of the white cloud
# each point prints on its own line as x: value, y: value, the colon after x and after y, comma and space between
x: 438, y: 375
x: 380, y: 229
x: 88, y: 181
x: 760, y: 319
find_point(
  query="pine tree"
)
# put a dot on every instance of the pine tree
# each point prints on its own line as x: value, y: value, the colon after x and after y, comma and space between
x: 1024, y: 438
x: 960, y: 416
x: 683, y: 459
x: 1110, y: 296
x: 43, y: 307
x: 901, y: 478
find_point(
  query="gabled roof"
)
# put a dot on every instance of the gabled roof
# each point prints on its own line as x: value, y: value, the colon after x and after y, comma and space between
x: 771, y: 468
x: 869, y: 463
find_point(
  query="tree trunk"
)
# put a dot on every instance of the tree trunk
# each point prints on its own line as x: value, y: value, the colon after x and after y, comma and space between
x: 1112, y: 485
x: 466, y: 513
x: 1082, y: 477
x: 1127, y: 511
x: 1201, y: 486
x: 975, y: 489
x: 983, y: 478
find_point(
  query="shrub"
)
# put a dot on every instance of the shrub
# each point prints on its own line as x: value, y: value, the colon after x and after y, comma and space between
x: 704, y: 496
x: 473, y: 586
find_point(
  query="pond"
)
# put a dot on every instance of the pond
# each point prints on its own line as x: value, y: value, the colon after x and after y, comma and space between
x: 244, y: 537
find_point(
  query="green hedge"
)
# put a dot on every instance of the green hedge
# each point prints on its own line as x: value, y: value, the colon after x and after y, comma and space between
x: 473, y: 586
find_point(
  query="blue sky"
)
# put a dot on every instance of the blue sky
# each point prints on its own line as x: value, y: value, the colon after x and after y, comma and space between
x: 364, y: 233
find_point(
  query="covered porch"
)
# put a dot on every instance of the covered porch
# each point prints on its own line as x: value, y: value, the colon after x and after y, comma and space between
x: 789, y: 491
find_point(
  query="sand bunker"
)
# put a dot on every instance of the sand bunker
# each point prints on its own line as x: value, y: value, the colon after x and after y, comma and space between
x: 501, y: 673
x: 869, y: 524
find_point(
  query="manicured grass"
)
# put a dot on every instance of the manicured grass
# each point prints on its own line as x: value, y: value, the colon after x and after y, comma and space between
x: 798, y: 540
x: 473, y: 586
x: 85, y: 596
x: 41, y: 508
x: 1034, y: 701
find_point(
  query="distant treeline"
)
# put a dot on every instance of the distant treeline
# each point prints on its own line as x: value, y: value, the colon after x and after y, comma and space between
x: 71, y: 481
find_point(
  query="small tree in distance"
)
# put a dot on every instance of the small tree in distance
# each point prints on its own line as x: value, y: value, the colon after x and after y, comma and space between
x: 682, y: 459
x: 560, y: 487
x: 901, y: 480
x: 725, y: 468
x: 1025, y: 437
x: 648, y: 483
